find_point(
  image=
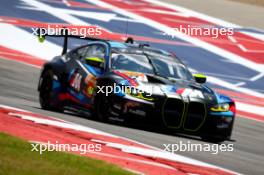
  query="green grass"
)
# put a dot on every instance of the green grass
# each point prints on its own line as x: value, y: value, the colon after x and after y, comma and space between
x: 17, y: 158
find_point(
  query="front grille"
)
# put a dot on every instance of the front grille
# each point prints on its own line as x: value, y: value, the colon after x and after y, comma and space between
x: 173, y: 110
x: 195, y: 116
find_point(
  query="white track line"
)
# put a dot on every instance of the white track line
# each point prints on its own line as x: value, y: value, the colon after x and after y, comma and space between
x: 61, y: 124
x: 12, y: 108
x: 209, y: 47
x: 202, y: 44
x: 233, y: 87
x: 58, y: 13
x: 159, y: 153
x: 17, y: 39
x: 202, y: 16
x: 258, y: 110
x: 257, y: 77
x: 255, y: 35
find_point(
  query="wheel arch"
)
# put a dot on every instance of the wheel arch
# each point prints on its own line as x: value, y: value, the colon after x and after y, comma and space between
x: 57, y: 68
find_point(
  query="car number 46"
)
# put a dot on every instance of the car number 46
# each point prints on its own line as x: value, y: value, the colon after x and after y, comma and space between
x: 76, y: 82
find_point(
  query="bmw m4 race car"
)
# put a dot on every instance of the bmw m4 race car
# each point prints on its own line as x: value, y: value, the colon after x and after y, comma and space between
x: 125, y: 81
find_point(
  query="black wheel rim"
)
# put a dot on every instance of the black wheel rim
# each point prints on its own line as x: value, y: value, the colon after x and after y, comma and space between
x: 104, y: 106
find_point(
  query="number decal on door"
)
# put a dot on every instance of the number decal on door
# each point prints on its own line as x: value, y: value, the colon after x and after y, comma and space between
x: 76, y: 82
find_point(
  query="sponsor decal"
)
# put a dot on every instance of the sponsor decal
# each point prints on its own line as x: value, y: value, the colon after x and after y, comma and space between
x: 90, y: 82
x: 194, y: 93
x: 76, y: 81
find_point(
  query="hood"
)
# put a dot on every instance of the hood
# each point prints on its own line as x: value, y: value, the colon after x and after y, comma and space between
x: 157, y: 85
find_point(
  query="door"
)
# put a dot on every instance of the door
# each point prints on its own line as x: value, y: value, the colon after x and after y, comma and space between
x: 82, y: 74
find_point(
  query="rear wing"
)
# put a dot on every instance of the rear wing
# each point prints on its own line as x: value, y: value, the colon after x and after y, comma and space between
x: 64, y: 32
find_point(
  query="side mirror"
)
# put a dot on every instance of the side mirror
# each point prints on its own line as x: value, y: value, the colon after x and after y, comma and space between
x: 95, y: 62
x: 199, y: 78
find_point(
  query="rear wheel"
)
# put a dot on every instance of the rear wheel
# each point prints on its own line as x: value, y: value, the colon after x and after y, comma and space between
x: 45, y: 91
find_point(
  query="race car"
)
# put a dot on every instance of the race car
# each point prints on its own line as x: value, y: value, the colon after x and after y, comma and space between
x: 125, y: 81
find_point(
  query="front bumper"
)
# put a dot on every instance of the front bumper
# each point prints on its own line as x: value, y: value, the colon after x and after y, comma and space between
x: 187, y: 115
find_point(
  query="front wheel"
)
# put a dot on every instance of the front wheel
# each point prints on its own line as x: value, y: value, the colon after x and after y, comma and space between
x: 103, y: 108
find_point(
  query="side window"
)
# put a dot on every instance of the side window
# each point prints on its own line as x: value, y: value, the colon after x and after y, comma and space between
x: 78, y: 53
x: 95, y: 50
x: 95, y: 56
x: 82, y: 51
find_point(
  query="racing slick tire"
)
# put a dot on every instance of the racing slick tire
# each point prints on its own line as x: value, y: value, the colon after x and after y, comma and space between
x: 45, y: 91
x: 102, y: 108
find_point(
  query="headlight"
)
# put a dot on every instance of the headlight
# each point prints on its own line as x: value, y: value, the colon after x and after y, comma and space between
x: 220, y: 107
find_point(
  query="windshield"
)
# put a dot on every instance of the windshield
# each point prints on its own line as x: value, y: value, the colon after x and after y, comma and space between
x: 156, y: 64
x: 131, y: 62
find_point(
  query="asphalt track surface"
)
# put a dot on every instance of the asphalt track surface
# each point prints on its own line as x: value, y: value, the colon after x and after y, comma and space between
x: 236, y: 12
x: 18, y: 84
